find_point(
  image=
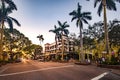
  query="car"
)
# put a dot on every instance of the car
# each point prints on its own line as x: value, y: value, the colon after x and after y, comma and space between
x: 18, y: 60
x: 41, y: 59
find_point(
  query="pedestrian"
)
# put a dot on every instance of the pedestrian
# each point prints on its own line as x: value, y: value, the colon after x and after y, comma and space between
x: 103, y: 59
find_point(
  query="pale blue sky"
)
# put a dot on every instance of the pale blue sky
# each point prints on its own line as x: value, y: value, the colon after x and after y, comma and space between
x: 39, y: 16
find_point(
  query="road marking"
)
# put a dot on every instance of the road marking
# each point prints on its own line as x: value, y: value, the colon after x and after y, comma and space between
x: 100, y: 76
x: 43, y: 69
x: 4, y: 69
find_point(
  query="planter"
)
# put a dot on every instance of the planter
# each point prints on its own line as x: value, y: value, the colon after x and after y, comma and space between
x: 109, y: 66
x: 63, y: 61
x: 82, y: 63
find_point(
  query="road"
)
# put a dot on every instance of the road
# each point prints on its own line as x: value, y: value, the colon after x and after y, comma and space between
x: 35, y: 70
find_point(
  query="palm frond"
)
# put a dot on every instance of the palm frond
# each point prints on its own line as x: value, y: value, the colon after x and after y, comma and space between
x: 60, y: 24
x: 79, y: 8
x: 55, y: 26
x: 96, y: 2
x: 87, y: 17
x: 84, y: 20
x: 65, y: 23
x: 10, y: 23
x: 11, y: 4
x: 117, y: 1
x: 65, y: 26
x: 7, y: 11
x: 73, y: 18
x: 16, y: 21
x: 73, y: 13
x: 99, y: 9
x: 66, y: 31
x: 86, y: 13
x: 111, y: 5
x: 51, y: 30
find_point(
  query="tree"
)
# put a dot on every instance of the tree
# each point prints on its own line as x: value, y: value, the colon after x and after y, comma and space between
x: 81, y: 18
x: 114, y: 32
x: 15, y: 43
x: 63, y: 32
x: 41, y: 39
x: 4, y: 17
x: 56, y: 32
x: 110, y: 5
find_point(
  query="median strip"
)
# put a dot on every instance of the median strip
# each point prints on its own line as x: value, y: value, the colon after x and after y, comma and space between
x: 43, y: 69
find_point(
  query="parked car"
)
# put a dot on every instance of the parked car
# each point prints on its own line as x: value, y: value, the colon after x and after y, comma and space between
x: 18, y: 60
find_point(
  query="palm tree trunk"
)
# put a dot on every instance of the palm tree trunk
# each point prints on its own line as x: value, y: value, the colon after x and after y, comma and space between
x: 81, y: 46
x: 105, y: 28
x: 1, y: 39
x: 56, y: 48
x: 62, y: 48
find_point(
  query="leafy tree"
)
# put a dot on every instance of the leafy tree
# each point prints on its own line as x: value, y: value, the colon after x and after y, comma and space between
x: 33, y: 50
x: 15, y: 41
x: 114, y: 32
x: 81, y: 18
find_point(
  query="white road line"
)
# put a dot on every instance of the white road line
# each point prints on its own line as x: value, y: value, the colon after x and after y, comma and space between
x: 35, y: 70
x: 100, y: 76
x: 4, y: 69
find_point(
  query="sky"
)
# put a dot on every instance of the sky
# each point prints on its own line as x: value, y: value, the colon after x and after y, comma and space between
x: 39, y: 16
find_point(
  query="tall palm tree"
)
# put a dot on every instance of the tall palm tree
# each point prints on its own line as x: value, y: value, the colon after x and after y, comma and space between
x: 81, y: 18
x: 41, y: 39
x: 110, y: 5
x: 56, y: 32
x: 4, y: 17
x: 63, y: 32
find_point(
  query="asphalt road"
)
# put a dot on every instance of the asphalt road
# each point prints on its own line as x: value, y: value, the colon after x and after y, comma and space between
x: 34, y: 70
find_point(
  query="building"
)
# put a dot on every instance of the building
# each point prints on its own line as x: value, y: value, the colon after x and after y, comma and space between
x: 51, y: 50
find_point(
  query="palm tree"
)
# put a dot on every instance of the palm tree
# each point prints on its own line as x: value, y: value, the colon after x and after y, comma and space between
x: 63, y: 32
x: 56, y: 32
x: 4, y: 17
x: 41, y: 39
x: 81, y: 18
x: 110, y: 5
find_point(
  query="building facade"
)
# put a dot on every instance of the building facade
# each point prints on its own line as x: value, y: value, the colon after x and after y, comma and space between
x: 51, y: 49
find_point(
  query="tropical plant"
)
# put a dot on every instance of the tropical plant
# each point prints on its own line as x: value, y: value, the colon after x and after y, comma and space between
x: 110, y: 5
x: 41, y: 39
x: 63, y: 33
x: 81, y: 18
x: 56, y: 32
x: 5, y: 10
